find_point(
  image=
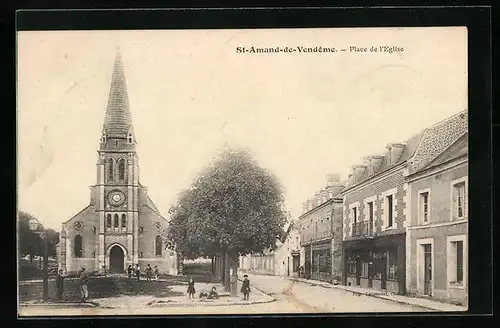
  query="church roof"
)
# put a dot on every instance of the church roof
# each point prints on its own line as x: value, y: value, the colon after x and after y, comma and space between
x: 118, y: 120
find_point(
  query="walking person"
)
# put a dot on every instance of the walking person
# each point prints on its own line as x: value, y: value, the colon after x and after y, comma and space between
x: 60, y: 284
x: 191, y: 291
x: 245, y: 289
x: 157, y: 273
x: 130, y: 270
x: 83, y: 285
x: 149, y: 272
x: 137, y: 271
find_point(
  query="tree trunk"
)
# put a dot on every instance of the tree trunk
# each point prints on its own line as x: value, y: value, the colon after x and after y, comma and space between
x: 227, y: 275
x: 223, y: 268
x: 213, y: 265
x: 233, y: 260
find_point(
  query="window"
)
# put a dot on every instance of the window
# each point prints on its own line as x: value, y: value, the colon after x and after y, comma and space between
x: 124, y: 221
x: 370, y: 217
x: 424, y: 207
x: 78, y: 246
x: 158, y: 246
x: 110, y: 169
x: 459, y: 201
x: 116, y: 143
x: 355, y: 215
x: 115, y: 222
x: 109, y: 223
x: 390, y: 210
x: 456, y: 258
x: 121, y: 169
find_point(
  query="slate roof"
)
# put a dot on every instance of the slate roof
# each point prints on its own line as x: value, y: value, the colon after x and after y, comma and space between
x: 458, y: 149
x: 425, y: 146
x: 118, y: 120
x: 438, y: 138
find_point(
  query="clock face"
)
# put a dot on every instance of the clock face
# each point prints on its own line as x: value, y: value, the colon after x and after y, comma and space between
x: 116, y: 198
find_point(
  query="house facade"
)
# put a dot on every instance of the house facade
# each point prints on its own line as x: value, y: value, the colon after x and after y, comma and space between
x: 377, y: 208
x: 375, y: 221
x: 437, y: 235
x: 283, y: 261
x: 321, y: 233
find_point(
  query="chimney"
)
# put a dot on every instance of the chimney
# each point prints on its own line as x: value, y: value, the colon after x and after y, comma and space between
x: 332, y: 178
x: 334, y: 186
x: 394, y: 151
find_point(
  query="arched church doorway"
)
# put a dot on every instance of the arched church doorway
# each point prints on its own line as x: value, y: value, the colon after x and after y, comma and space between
x: 116, y: 260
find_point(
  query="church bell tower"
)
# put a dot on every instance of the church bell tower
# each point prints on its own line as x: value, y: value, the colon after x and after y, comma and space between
x: 117, y: 174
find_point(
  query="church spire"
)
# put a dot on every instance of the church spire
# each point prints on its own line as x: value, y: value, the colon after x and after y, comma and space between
x: 118, y: 120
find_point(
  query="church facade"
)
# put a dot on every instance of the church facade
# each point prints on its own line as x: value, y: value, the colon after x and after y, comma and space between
x: 121, y: 226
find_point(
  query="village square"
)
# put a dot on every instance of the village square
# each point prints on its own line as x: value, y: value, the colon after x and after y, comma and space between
x: 389, y: 237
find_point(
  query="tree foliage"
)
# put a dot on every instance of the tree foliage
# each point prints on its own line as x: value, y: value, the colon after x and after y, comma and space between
x: 29, y: 242
x: 233, y: 206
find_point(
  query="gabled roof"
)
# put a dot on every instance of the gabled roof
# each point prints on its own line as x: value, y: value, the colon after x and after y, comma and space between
x: 458, y: 149
x: 438, y: 138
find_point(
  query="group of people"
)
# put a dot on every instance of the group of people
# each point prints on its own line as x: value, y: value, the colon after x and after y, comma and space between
x: 245, y: 289
x: 83, y: 284
x: 150, y: 272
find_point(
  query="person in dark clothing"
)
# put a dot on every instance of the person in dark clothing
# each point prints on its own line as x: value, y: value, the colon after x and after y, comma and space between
x: 245, y: 289
x: 129, y: 271
x: 149, y: 272
x: 213, y: 294
x: 137, y: 271
x: 190, y: 290
x: 60, y: 284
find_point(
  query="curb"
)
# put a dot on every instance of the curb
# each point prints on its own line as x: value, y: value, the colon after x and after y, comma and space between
x: 204, y: 304
x: 60, y: 305
x: 382, y: 297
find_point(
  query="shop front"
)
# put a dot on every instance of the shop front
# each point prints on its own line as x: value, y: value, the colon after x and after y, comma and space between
x: 377, y: 263
x: 321, y: 262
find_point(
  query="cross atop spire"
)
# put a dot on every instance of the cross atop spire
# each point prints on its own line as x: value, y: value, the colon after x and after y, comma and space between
x: 118, y: 120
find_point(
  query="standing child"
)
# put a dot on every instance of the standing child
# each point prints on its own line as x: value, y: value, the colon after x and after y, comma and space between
x: 130, y: 270
x: 191, y: 289
x: 157, y: 273
x: 245, y: 289
x: 149, y: 272
x: 60, y: 284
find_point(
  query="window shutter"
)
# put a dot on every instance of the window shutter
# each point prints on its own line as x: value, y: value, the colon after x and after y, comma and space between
x: 454, y: 204
x: 465, y: 204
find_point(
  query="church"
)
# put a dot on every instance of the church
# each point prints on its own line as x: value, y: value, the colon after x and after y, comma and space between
x: 121, y: 226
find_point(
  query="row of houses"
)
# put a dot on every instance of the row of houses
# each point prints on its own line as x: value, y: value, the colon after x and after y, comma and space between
x: 399, y: 222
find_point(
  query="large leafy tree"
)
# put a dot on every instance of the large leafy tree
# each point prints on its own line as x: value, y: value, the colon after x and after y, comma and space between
x: 30, y: 243
x: 233, y: 207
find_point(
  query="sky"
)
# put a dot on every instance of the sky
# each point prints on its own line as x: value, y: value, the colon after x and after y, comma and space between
x: 302, y: 115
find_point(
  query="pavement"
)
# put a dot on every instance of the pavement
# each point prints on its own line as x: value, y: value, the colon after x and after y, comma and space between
x: 141, y: 303
x: 270, y: 295
x: 413, y: 301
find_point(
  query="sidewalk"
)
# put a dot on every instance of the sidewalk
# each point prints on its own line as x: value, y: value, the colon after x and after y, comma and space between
x: 407, y: 300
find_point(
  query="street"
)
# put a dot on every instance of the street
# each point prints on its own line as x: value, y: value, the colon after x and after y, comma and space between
x: 298, y: 297
x: 291, y: 297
